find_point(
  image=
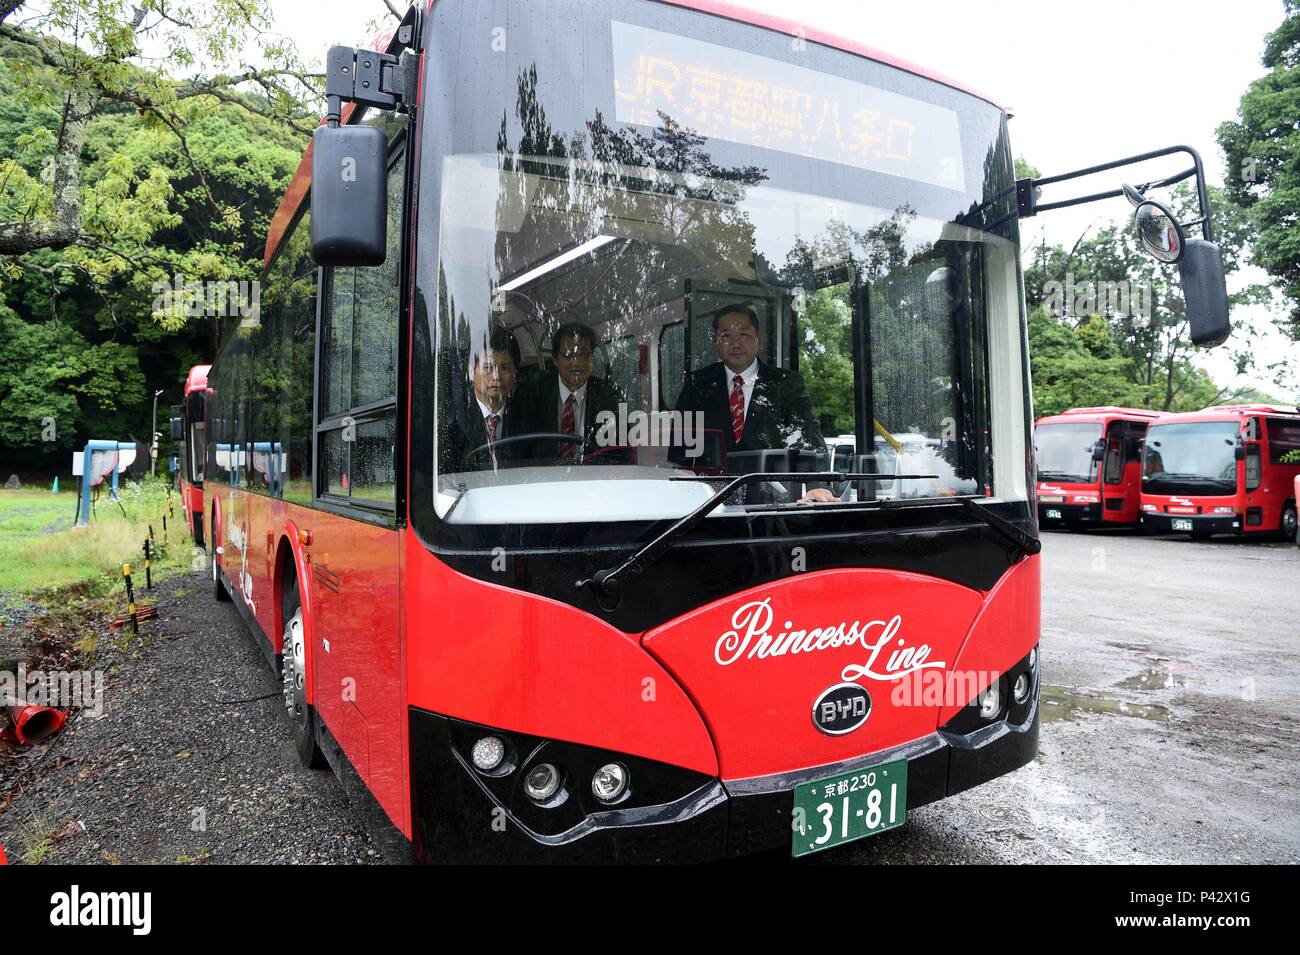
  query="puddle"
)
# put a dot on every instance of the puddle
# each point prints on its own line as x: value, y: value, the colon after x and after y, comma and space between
x: 1154, y: 677
x: 1137, y: 647
x: 1060, y: 703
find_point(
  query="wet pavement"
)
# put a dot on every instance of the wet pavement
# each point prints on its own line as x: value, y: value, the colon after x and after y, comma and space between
x: 1171, y: 687
x: 1170, y: 703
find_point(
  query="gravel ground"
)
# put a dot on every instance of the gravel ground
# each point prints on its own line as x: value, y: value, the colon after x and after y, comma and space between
x: 212, y: 779
x: 1171, y: 688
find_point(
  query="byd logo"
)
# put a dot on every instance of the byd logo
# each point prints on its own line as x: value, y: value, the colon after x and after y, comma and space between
x: 841, y: 709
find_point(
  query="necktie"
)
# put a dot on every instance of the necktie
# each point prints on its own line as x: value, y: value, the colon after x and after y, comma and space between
x: 492, y: 422
x: 569, y: 450
x: 737, y: 407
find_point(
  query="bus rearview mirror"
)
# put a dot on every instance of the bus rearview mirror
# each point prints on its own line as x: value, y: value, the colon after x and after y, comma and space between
x: 349, y: 196
x: 1205, y: 292
x: 178, y: 429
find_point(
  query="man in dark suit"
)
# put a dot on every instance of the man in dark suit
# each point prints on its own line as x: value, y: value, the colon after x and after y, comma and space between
x: 569, y: 399
x: 753, y: 406
x: 486, y: 418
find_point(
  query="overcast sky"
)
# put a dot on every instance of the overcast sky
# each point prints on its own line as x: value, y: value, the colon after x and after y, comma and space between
x: 1086, y: 82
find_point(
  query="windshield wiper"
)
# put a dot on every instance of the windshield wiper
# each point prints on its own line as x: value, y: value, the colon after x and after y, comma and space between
x: 1027, y: 543
x: 610, y: 581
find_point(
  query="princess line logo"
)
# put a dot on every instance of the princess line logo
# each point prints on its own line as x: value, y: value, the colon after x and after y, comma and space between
x: 889, y: 657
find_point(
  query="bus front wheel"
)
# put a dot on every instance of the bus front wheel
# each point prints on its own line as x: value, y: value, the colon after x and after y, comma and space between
x: 294, y: 668
x: 218, y: 588
x: 1289, y: 529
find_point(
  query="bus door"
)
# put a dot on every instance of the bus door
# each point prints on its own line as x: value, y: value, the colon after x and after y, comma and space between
x: 356, y: 547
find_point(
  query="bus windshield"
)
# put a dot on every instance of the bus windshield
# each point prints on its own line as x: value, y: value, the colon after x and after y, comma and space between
x: 1064, y: 452
x: 1180, y: 456
x: 635, y: 290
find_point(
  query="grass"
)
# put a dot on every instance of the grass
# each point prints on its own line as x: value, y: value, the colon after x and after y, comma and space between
x: 40, y: 549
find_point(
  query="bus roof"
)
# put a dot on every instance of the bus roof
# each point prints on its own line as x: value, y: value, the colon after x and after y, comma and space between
x: 1228, y: 413
x: 301, y: 180
x: 1101, y: 413
x: 197, y: 379
x: 741, y: 14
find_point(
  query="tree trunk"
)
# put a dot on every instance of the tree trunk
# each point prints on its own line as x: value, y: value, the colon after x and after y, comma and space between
x: 64, y: 228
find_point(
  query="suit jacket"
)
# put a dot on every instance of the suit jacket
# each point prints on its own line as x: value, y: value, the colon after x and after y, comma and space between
x: 539, y: 412
x: 780, y: 411
x: 468, y: 432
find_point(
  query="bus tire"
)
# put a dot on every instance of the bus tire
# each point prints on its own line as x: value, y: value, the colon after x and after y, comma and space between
x: 218, y: 588
x: 293, y: 667
x: 1288, y: 525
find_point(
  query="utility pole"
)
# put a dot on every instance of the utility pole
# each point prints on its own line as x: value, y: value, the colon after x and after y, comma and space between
x: 153, y: 430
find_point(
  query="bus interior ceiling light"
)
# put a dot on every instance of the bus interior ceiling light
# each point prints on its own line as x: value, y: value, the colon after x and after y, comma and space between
x: 577, y: 252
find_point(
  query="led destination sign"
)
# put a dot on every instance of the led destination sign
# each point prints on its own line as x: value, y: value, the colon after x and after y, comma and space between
x: 756, y: 101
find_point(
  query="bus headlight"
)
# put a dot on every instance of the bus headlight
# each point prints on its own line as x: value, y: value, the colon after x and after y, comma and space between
x: 1021, y: 690
x: 1225, y: 510
x: 610, y: 782
x: 990, y: 702
x: 542, y: 782
x: 488, y: 753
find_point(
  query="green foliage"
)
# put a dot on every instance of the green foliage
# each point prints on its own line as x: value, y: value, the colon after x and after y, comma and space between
x: 825, y: 357
x: 1261, y: 148
x: 175, y: 186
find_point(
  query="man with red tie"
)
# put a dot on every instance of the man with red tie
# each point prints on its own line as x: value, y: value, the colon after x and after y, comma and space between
x: 570, y: 398
x: 474, y: 434
x: 754, y: 406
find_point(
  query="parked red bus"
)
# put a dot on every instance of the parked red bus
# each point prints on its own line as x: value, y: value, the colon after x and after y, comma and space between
x: 1090, y: 466
x: 189, y: 431
x: 521, y: 480
x: 1228, y: 469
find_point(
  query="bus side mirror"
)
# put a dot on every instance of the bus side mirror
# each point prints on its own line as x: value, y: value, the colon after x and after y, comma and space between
x: 1099, y: 451
x: 1205, y: 291
x: 1239, y: 451
x: 349, y: 196
x: 178, y: 429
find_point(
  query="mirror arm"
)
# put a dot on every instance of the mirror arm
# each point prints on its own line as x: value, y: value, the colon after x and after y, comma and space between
x: 1026, y: 189
x: 384, y: 80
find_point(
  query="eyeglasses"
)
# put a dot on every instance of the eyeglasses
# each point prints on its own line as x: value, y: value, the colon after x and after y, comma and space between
x: 576, y: 354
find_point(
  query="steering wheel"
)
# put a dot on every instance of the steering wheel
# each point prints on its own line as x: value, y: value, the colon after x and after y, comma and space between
x: 527, y: 438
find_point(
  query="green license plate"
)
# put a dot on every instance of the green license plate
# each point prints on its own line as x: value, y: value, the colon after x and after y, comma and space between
x: 839, y: 809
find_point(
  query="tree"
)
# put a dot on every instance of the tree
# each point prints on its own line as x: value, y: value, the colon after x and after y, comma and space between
x: 86, y: 58
x: 167, y: 180
x: 1261, y: 148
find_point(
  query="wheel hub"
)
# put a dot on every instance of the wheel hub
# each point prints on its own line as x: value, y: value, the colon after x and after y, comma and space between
x: 295, y: 669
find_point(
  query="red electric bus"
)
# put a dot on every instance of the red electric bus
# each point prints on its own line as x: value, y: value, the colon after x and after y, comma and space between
x: 189, y: 431
x: 521, y: 480
x: 1228, y: 469
x: 1090, y: 466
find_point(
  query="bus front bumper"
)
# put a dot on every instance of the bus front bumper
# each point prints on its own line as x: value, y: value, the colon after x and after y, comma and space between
x: 1157, y: 523
x: 463, y: 815
x: 1057, y: 514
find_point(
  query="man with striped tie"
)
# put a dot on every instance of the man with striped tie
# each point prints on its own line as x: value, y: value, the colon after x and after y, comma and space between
x: 569, y: 400
x: 754, y: 406
x: 487, y: 418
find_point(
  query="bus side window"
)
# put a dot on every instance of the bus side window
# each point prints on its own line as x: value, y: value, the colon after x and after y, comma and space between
x: 1115, y: 455
x: 359, y: 371
x: 672, y: 364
